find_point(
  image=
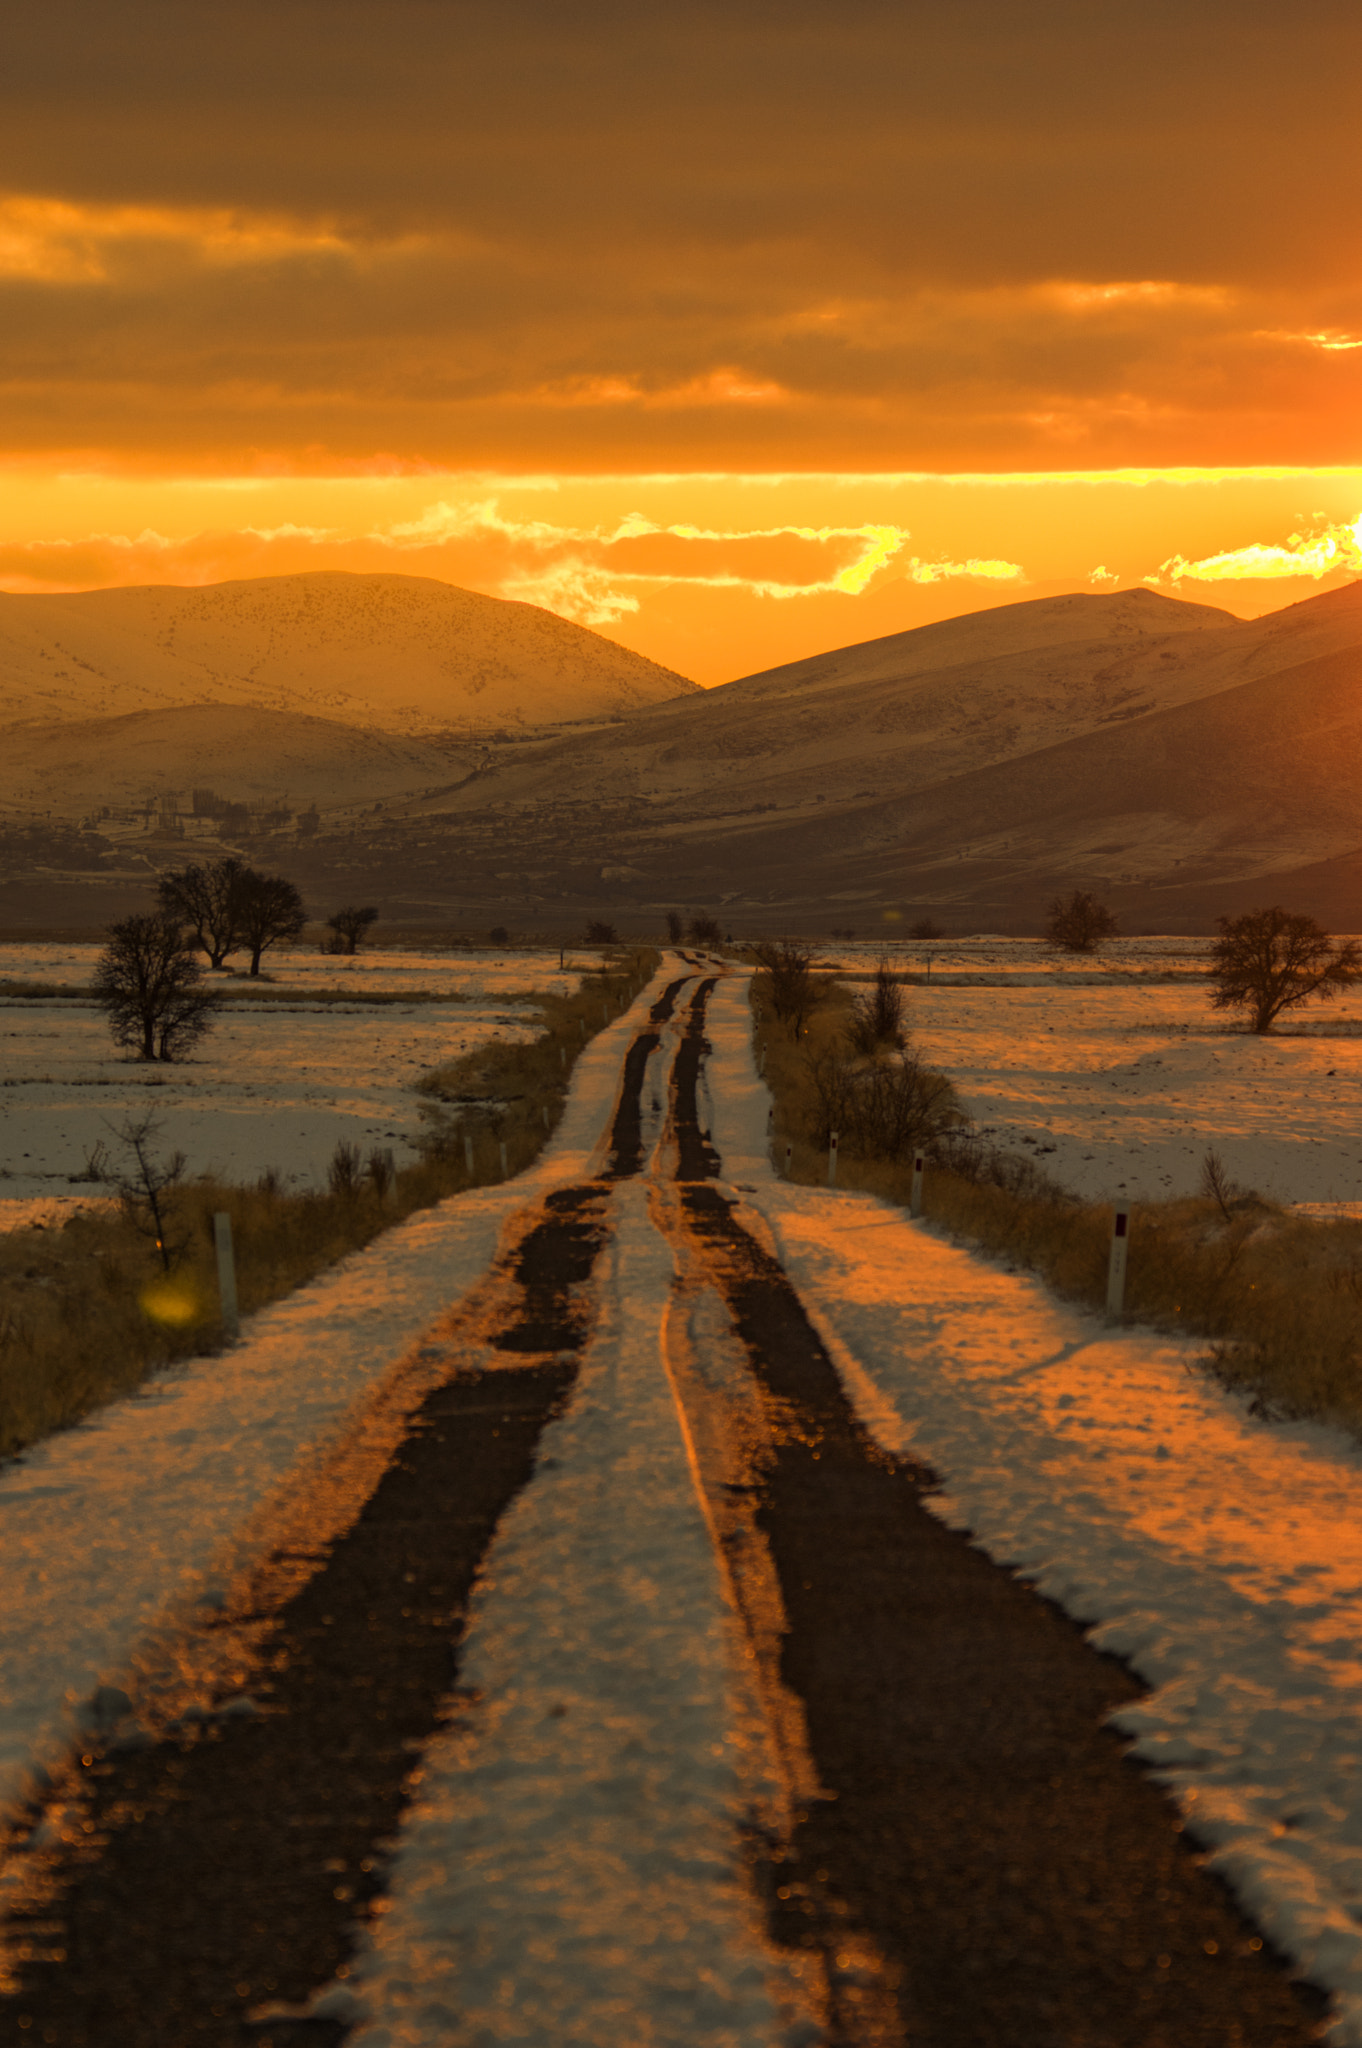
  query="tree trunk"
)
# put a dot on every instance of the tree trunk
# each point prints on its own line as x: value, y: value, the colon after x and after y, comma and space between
x: 256, y: 951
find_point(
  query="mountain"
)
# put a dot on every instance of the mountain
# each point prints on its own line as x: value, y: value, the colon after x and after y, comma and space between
x: 245, y: 756
x: 1182, y: 762
x: 406, y: 653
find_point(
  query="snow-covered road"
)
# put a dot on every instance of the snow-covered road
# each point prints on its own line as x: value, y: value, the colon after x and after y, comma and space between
x: 568, y: 1871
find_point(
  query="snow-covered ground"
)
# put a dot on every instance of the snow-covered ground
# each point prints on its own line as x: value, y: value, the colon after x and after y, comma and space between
x: 1220, y: 1554
x: 121, y: 1523
x: 1117, y: 1076
x: 274, y: 1084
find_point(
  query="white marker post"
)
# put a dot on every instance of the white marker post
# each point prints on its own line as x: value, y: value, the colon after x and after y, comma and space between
x: 832, y: 1159
x: 222, y: 1243
x: 468, y: 1154
x: 1116, y: 1271
x: 505, y: 1169
x: 915, y: 1195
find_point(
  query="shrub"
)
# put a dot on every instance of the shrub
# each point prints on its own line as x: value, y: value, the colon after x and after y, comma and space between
x: 705, y: 931
x: 877, y: 1018
x: 599, y: 933
x: 925, y: 929
x: 1270, y: 960
x: 787, y: 981
x: 880, y: 1109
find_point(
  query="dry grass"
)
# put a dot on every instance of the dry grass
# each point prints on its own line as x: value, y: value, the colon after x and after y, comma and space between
x: 1278, y: 1297
x: 86, y: 1313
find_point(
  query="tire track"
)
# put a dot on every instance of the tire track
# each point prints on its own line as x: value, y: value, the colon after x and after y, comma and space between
x: 185, y: 1889
x: 985, y: 1867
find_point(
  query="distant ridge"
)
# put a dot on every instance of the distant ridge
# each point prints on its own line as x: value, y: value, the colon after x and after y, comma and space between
x: 407, y: 653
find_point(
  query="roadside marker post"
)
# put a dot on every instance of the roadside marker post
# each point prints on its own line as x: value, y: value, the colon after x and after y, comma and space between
x: 1116, y: 1271
x: 915, y: 1195
x: 505, y: 1170
x: 789, y: 1158
x: 468, y: 1154
x: 222, y: 1244
x: 832, y: 1159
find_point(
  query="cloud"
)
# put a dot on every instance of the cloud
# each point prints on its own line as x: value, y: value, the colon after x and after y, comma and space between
x: 1101, y: 574
x: 1315, y: 555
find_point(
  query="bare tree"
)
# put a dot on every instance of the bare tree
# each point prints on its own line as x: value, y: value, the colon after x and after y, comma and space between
x: 207, y: 900
x: 926, y: 928
x: 146, y: 1188
x: 149, y: 985
x: 1080, y: 924
x: 1270, y: 960
x: 599, y: 933
x: 349, y: 926
x: 791, y: 987
x: 877, y: 1017
x: 676, y: 927
x: 270, y: 909
x: 705, y: 931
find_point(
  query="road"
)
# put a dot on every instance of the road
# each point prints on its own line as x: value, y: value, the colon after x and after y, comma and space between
x: 935, y: 1840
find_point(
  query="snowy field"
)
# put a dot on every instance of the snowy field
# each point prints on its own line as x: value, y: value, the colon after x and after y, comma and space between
x: 1116, y: 1074
x: 275, y: 1084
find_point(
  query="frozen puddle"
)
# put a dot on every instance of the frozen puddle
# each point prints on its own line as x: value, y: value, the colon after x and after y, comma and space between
x: 1221, y: 1556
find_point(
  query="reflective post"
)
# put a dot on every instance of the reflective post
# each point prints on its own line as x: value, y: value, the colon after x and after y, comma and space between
x: 468, y: 1154
x: 915, y: 1197
x: 832, y: 1159
x: 505, y: 1170
x: 222, y: 1244
x: 1116, y: 1271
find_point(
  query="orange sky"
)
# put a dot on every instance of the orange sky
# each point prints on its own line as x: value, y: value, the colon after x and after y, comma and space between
x: 734, y: 330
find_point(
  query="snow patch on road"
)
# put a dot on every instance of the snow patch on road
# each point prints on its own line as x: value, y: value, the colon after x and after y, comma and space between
x: 118, y: 1528
x: 1220, y: 1555
x: 569, y: 1873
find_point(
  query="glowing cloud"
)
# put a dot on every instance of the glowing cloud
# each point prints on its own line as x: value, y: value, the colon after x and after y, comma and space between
x: 1314, y: 555
x: 58, y: 243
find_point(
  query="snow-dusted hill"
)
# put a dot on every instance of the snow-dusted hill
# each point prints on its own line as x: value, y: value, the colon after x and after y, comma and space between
x: 406, y: 653
x: 243, y: 755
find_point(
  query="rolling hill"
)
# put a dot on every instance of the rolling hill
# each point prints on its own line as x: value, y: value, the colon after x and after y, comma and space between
x: 243, y: 755
x: 1179, y: 760
x: 405, y: 653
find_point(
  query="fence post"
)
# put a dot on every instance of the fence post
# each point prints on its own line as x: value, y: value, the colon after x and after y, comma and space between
x: 832, y: 1159
x: 222, y: 1244
x: 1116, y: 1271
x: 915, y: 1196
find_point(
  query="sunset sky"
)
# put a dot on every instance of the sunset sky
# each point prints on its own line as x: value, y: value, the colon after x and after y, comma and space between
x: 736, y: 331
